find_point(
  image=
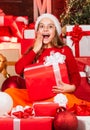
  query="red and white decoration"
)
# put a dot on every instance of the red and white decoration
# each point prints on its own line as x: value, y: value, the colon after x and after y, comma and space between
x: 78, y: 38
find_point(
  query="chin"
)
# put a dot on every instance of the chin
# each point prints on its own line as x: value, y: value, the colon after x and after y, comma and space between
x: 45, y: 42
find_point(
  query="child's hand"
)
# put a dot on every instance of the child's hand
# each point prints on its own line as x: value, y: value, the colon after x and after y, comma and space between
x: 63, y: 88
x: 38, y: 43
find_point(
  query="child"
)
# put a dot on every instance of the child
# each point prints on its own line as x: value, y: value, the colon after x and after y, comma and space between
x: 48, y: 31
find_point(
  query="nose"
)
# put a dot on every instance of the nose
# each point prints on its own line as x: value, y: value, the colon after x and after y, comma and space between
x: 45, y: 27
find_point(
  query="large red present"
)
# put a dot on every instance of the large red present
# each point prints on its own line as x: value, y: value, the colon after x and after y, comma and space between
x: 41, y: 78
x: 33, y: 123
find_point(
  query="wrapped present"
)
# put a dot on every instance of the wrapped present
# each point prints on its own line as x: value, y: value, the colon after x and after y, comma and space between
x: 78, y: 38
x: 8, y: 21
x: 33, y: 123
x: 82, y: 112
x: 28, y: 38
x: 28, y: 41
x: 40, y: 78
x: 83, y: 122
x: 45, y: 108
x: 22, y: 22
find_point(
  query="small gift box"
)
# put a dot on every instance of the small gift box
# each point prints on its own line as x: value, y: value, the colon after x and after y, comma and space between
x: 33, y: 123
x: 45, y: 108
x: 83, y: 122
x: 78, y: 38
x: 40, y: 78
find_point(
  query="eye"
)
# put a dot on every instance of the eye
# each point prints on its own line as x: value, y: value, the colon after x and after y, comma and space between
x: 41, y: 26
x: 50, y: 26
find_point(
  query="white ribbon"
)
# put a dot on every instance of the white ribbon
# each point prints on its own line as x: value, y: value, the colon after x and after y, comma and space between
x: 16, y: 124
x: 1, y: 20
x: 55, y: 59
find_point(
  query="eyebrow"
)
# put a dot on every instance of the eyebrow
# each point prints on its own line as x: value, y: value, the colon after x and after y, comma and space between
x: 47, y: 24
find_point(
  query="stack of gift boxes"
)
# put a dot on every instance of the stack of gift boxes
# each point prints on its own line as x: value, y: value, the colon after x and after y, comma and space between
x: 78, y: 38
x: 10, y: 43
x: 10, y: 48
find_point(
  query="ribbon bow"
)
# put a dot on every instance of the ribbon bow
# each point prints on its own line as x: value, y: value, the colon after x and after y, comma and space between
x: 55, y: 58
x: 76, y: 34
x: 22, y: 112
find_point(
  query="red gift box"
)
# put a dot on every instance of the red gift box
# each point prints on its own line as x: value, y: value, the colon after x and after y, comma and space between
x: 45, y: 108
x: 33, y: 123
x: 40, y: 79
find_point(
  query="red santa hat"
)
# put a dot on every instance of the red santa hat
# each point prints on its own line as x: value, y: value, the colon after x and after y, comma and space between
x: 53, y: 18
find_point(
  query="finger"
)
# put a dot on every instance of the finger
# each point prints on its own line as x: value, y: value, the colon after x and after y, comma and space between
x: 55, y: 87
x: 58, y: 90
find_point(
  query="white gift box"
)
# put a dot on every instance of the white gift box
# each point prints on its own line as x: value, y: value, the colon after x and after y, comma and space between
x: 29, y: 33
x: 81, y: 36
x: 83, y: 122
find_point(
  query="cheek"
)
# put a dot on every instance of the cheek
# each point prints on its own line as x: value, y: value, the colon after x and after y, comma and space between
x: 52, y: 32
x: 40, y: 31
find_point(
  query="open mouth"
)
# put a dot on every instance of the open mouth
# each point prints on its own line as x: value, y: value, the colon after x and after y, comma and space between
x: 46, y: 36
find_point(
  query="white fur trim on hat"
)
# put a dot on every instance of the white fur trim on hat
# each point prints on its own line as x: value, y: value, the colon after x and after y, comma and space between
x: 53, y: 18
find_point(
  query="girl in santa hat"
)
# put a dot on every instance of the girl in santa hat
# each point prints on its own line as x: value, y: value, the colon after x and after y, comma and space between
x: 48, y: 31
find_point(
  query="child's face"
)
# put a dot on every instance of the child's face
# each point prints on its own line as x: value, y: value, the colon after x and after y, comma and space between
x: 47, y: 30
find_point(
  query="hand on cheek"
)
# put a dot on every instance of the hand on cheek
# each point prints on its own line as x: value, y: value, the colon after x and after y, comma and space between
x: 38, y: 43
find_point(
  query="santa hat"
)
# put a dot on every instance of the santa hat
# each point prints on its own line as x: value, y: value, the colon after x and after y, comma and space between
x: 53, y: 18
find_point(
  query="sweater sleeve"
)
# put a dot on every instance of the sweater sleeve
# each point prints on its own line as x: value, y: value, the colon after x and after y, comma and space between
x: 24, y: 61
x: 72, y: 68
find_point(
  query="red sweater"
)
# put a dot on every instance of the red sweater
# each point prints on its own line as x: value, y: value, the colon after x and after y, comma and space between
x: 72, y: 68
